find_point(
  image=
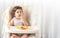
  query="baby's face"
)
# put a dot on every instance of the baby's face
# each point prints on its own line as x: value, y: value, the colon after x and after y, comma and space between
x: 18, y: 13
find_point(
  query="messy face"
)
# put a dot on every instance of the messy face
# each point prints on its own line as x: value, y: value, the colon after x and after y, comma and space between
x: 18, y: 13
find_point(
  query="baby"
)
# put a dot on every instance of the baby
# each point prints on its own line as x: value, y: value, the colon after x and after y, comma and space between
x: 17, y: 18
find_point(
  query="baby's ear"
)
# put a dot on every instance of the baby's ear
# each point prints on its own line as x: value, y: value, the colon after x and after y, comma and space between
x: 14, y: 14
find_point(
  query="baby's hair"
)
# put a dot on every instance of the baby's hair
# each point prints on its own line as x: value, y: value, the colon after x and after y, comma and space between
x: 12, y: 11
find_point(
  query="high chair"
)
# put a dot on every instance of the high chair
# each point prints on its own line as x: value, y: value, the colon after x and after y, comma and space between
x: 34, y: 31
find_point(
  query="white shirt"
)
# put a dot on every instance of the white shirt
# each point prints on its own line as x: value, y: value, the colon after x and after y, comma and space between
x: 17, y: 22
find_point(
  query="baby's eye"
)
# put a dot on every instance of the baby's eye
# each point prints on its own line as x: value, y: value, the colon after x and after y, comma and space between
x: 20, y: 11
x: 17, y: 12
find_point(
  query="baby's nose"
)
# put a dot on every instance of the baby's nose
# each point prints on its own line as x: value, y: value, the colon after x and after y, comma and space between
x: 19, y: 13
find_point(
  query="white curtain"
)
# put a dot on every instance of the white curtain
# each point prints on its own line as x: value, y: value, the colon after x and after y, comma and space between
x: 50, y: 19
x: 44, y: 13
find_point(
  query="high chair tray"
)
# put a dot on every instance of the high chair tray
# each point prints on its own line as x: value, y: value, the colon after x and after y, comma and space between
x: 14, y: 30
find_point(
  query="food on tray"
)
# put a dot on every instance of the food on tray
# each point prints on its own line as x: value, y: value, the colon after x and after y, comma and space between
x: 23, y: 27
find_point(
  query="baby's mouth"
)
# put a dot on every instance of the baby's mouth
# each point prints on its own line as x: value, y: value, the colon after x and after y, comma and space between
x: 19, y: 15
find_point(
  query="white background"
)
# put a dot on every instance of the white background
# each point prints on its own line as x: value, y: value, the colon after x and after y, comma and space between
x: 44, y: 13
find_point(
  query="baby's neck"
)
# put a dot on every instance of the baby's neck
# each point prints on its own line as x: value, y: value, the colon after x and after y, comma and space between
x: 18, y: 18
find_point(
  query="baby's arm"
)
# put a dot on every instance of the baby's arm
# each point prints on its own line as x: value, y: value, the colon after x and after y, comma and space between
x: 11, y: 23
x: 24, y: 21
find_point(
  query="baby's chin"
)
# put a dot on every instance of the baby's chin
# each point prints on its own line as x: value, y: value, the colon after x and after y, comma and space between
x: 18, y: 17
